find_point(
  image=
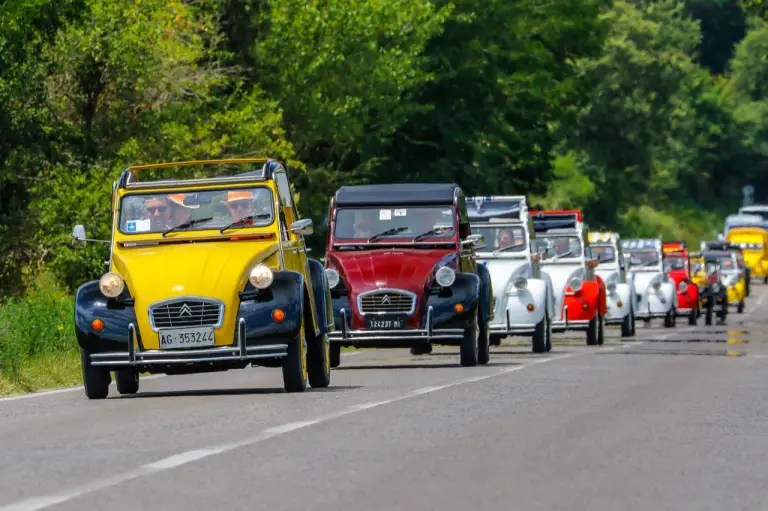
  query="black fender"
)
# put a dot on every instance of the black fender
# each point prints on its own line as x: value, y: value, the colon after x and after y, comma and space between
x: 287, y: 294
x: 486, y: 293
x: 322, y: 296
x: 465, y: 290
x: 91, y: 304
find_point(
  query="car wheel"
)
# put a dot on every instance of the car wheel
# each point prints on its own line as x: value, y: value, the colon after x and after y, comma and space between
x: 539, y: 339
x: 95, y: 379
x: 319, y: 362
x: 693, y: 318
x: 549, y: 335
x: 127, y: 381
x: 708, y: 317
x: 484, y: 346
x: 600, y: 329
x: 765, y: 280
x: 633, y: 319
x: 740, y: 308
x: 295, y: 364
x: 592, y: 331
x: 421, y: 349
x: 626, y: 325
x: 669, y: 319
x: 335, y: 355
x: 495, y: 339
x: 468, y: 353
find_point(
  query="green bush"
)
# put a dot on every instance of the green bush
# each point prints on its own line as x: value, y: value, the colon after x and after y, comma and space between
x: 39, y: 323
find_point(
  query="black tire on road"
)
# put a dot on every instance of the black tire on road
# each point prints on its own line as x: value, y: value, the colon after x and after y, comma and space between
x: 593, y: 330
x: 693, y: 318
x: 335, y: 354
x: 421, y: 349
x: 708, y: 317
x: 600, y: 329
x: 319, y: 362
x: 295, y: 364
x: 468, y: 352
x: 669, y: 319
x: 740, y: 308
x: 549, y: 335
x: 539, y: 338
x: 484, y: 345
x: 495, y: 339
x: 627, y: 324
x: 127, y: 381
x: 95, y: 379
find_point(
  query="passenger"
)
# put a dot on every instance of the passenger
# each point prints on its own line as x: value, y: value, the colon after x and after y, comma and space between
x: 506, y: 238
x: 240, y: 204
x: 159, y: 209
x: 180, y: 212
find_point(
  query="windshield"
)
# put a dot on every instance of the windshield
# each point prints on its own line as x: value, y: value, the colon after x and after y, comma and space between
x: 748, y: 211
x: 509, y: 238
x: 558, y: 247
x: 394, y: 222
x: 213, y: 209
x: 604, y: 253
x: 643, y: 258
x: 696, y: 266
x: 726, y: 263
x: 676, y: 263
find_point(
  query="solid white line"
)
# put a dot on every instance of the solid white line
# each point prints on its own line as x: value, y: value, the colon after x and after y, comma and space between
x: 183, y: 458
x: 44, y: 393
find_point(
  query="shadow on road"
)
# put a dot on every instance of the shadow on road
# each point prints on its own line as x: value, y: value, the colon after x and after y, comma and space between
x: 406, y: 365
x: 231, y: 392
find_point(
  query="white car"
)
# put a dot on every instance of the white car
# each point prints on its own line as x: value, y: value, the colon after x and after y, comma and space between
x: 619, y: 289
x: 523, y: 294
x: 655, y: 290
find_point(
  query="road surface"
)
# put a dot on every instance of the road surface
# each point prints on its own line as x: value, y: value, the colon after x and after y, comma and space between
x: 672, y: 419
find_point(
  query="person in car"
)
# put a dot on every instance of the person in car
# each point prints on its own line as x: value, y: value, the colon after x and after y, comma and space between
x: 507, y: 238
x: 180, y: 212
x: 159, y: 210
x: 240, y: 204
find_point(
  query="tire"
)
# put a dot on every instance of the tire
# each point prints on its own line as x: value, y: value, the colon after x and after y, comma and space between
x: 127, y: 381
x: 593, y: 330
x: 295, y: 364
x: 335, y: 355
x: 319, y: 362
x: 634, y: 322
x: 708, y: 317
x: 495, y: 339
x: 468, y: 353
x: 549, y: 335
x: 421, y: 349
x: 693, y: 318
x: 740, y: 308
x: 95, y: 379
x: 669, y: 319
x: 765, y: 280
x: 539, y: 338
x: 600, y: 329
x: 626, y: 325
x: 484, y: 346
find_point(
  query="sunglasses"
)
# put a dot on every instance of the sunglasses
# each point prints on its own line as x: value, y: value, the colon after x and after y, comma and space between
x: 153, y: 209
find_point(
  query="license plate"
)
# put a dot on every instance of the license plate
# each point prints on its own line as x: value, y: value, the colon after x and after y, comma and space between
x: 186, y: 338
x: 386, y: 321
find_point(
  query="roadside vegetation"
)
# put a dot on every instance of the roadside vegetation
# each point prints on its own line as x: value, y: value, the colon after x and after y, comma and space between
x: 650, y: 115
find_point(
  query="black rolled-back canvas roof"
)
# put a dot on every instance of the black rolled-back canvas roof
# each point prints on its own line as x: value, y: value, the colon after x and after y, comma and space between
x: 401, y: 193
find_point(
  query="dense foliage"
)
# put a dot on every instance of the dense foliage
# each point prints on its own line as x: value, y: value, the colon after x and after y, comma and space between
x: 651, y: 115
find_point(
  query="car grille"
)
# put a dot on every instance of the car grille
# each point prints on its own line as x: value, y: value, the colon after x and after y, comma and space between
x: 386, y: 301
x: 186, y: 313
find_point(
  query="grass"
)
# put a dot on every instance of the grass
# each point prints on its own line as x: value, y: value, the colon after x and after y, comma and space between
x: 44, y: 372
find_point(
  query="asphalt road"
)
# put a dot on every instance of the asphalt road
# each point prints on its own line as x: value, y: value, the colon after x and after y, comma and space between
x: 673, y: 419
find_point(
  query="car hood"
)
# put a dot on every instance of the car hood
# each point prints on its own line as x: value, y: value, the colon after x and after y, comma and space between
x: 214, y: 269
x: 394, y: 268
x: 561, y: 274
x: 644, y: 279
x: 608, y: 275
x: 504, y: 270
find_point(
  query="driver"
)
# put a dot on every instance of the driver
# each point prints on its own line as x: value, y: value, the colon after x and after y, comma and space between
x: 240, y: 204
x: 507, y: 238
x: 159, y: 209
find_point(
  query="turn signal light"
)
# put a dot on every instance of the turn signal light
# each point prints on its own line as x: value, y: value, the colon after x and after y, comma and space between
x: 618, y: 304
x: 278, y: 315
x: 530, y: 307
x: 458, y: 308
x: 97, y: 325
x: 585, y: 306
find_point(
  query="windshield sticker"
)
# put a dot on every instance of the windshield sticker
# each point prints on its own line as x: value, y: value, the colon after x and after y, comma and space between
x: 385, y: 214
x: 138, y: 225
x: 400, y: 212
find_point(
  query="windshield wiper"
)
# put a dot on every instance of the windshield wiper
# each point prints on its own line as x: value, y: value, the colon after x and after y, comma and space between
x: 244, y: 221
x: 185, y: 225
x: 508, y: 247
x: 567, y: 254
x: 648, y: 263
x: 388, y: 232
x: 430, y: 233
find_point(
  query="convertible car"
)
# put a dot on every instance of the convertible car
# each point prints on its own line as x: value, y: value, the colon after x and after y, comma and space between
x: 655, y: 291
x: 620, y: 290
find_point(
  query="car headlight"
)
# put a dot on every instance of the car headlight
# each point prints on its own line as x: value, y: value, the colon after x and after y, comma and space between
x: 576, y: 284
x: 261, y: 276
x: 445, y: 276
x: 111, y: 285
x: 716, y: 287
x: 333, y: 277
x: 657, y: 285
x: 520, y: 283
x: 611, y: 287
x: 683, y: 287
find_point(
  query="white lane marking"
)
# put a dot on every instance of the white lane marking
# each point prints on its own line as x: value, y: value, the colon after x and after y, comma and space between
x: 758, y: 304
x: 36, y: 503
x: 44, y: 393
x: 350, y: 353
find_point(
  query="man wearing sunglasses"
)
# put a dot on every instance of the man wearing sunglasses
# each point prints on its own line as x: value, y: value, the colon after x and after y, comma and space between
x: 159, y: 209
x: 239, y: 204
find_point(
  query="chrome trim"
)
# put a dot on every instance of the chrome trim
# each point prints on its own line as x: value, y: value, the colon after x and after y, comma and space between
x: 131, y: 347
x: 509, y: 329
x: 171, y: 301
x: 386, y: 290
x: 186, y: 356
x: 241, y: 338
x: 426, y: 334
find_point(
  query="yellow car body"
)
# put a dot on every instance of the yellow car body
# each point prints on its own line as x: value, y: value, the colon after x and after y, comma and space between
x: 754, y: 245
x: 208, y: 296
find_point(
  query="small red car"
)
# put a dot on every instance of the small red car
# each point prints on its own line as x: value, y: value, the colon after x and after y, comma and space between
x: 676, y: 259
x: 562, y: 238
x: 401, y: 266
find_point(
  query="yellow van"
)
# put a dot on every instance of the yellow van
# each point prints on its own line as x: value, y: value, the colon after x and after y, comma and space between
x: 753, y: 241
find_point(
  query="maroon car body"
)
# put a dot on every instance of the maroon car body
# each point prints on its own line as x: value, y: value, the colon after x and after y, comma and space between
x: 401, y: 264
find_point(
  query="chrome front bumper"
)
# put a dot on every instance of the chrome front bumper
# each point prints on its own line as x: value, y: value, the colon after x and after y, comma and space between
x: 683, y: 312
x: 510, y: 329
x: 428, y: 334
x: 238, y: 352
x: 566, y: 324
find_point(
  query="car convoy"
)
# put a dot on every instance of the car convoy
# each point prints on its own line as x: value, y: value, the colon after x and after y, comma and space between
x: 210, y: 273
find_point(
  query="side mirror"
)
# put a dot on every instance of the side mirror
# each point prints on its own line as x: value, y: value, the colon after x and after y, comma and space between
x: 78, y: 235
x: 721, y: 237
x: 476, y: 240
x: 303, y: 226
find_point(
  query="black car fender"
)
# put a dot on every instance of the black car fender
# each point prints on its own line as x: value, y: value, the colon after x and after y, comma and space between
x: 465, y: 290
x: 256, y: 308
x: 486, y: 293
x: 116, y: 315
x: 322, y: 296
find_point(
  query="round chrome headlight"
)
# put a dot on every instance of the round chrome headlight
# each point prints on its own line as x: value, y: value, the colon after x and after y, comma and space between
x: 111, y: 285
x: 261, y: 276
x: 520, y: 283
x: 683, y: 287
x: 445, y: 276
x: 333, y: 277
x: 576, y: 284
